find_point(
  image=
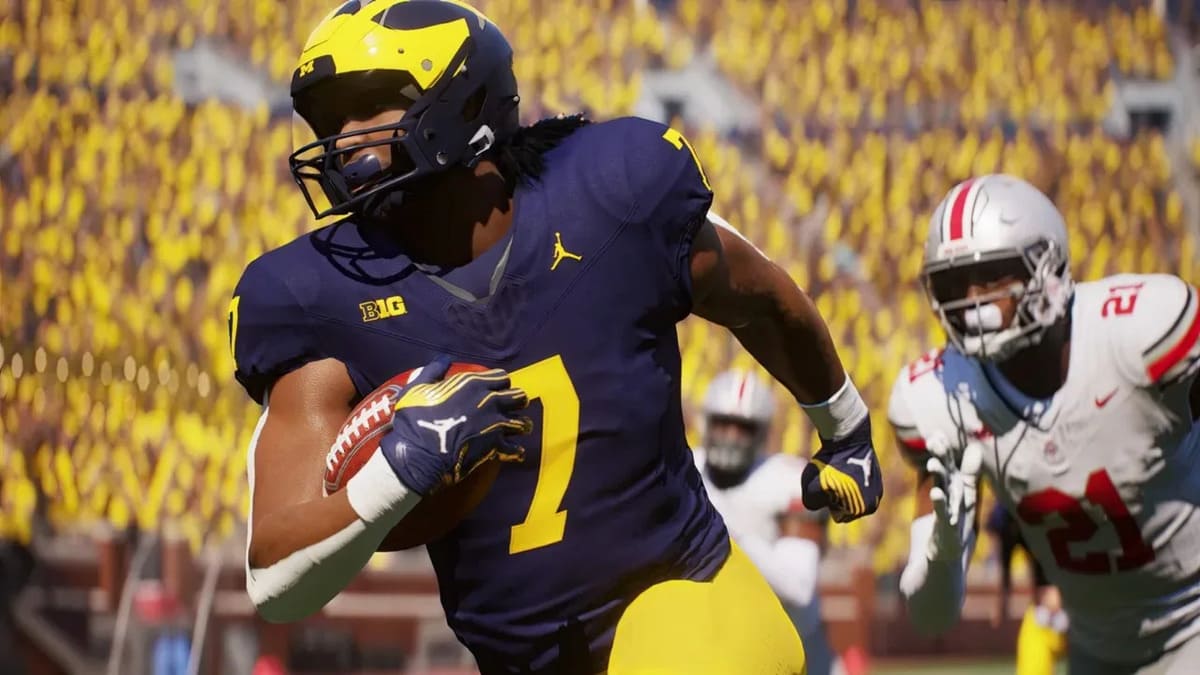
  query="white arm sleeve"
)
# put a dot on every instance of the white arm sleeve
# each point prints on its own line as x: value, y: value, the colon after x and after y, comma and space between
x: 790, y: 565
x: 935, y: 590
x: 303, y: 582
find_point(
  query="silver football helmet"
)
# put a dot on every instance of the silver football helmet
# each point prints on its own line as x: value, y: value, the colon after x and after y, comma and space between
x: 987, y: 229
x: 738, y: 408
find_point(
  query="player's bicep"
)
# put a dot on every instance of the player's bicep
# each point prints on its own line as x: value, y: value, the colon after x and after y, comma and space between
x: 306, y: 407
x: 732, y: 281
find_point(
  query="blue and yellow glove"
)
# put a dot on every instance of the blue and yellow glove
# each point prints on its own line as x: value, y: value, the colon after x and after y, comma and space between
x: 442, y: 430
x: 844, y: 476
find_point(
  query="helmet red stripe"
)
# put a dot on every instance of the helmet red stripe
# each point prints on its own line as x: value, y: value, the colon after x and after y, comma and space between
x: 956, y: 212
x: 742, y: 389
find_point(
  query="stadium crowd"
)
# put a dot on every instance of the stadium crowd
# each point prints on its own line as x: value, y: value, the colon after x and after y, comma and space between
x: 128, y: 214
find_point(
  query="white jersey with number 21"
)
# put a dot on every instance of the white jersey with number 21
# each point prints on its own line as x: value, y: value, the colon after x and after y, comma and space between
x: 1104, y: 477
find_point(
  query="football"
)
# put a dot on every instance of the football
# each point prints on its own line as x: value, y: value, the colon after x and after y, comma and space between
x: 358, y: 439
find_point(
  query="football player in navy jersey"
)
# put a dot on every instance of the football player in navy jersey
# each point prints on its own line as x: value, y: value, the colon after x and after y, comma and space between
x: 561, y: 256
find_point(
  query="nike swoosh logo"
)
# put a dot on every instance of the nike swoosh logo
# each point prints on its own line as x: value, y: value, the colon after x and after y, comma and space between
x: 1103, y: 401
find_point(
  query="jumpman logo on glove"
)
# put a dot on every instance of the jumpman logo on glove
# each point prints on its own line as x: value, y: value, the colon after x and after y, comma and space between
x: 477, y: 416
x: 863, y: 463
x: 440, y: 427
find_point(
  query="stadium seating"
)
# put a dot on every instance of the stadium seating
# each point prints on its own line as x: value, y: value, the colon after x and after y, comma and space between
x: 128, y: 215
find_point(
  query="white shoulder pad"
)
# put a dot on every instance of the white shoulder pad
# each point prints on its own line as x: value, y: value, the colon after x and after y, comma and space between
x: 1153, y: 321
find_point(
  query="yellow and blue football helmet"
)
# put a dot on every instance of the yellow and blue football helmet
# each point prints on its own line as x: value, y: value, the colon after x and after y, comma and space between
x: 446, y: 64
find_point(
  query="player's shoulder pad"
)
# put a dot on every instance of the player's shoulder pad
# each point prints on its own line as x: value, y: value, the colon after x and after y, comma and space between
x: 642, y: 171
x: 270, y: 332
x: 1152, y: 324
x: 915, y: 388
x: 644, y: 177
x: 664, y: 173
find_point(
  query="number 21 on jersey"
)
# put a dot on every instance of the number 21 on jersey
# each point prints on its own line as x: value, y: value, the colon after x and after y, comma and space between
x: 1079, y: 527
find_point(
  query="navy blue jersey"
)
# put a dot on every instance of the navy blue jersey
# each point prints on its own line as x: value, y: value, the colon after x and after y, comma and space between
x: 594, y: 281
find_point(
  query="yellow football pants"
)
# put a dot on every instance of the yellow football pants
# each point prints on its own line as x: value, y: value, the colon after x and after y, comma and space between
x: 731, y: 625
x: 1038, y: 647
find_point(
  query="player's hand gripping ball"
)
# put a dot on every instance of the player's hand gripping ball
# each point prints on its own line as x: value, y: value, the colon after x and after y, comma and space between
x: 440, y: 427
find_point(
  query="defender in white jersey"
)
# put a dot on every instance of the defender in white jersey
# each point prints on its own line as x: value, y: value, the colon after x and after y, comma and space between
x: 1076, y: 402
x: 759, y: 497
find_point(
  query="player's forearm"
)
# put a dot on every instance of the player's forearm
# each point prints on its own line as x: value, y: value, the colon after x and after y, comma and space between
x: 298, y: 558
x: 281, y: 533
x: 790, y: 565
x: 300, y: 584
x: 934, y: 589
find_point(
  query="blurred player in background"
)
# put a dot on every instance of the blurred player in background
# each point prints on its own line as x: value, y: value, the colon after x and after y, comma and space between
x: 1076, y: 402
x: 759, y: 497
x: 1042, y: 639
x: 563, y: 254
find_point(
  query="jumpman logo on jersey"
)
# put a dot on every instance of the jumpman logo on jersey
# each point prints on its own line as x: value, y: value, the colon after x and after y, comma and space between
x: 441, y: 427
x: 863, y: 463
x: 561, y: 253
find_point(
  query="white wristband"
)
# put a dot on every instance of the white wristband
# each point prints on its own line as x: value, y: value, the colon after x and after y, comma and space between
x: 838, y: 416
x: 375, y: 493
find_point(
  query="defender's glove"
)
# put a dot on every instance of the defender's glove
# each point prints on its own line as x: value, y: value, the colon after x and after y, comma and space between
x: 844, y: 476
x: 954, y: 494
x: 444, y: 430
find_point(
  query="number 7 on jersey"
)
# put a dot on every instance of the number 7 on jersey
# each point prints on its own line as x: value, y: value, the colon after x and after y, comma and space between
x: 548, y: 380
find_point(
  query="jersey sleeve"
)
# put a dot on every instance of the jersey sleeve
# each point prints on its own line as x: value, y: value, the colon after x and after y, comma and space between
x: 670, y: 192
x: 269, y: 332
x: 904, y: 421
x: 1157, y: 331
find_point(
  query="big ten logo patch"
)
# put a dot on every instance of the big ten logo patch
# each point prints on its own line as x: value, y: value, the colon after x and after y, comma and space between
x: 382, y: 308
